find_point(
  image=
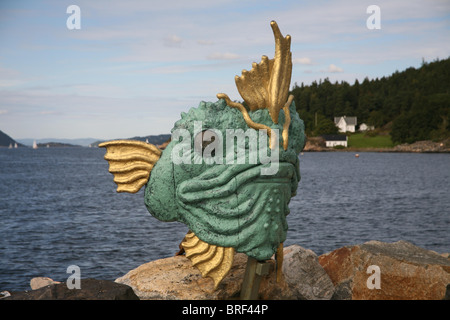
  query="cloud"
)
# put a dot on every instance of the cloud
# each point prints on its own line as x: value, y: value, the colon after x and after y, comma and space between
x: 333, y: 69
x: 47, y: 112
x: 171, y: 69
x: 3, y: 111
x: 222, y: 56
x: 10, y: 83
x: 304, y: 60
x: 10, y: 77
x: 205, y: 42
x: 173, y: 41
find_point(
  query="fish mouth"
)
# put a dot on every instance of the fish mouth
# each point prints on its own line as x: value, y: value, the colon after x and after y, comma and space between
x: 238, y: 206
x: 286, y: 171
x: 279, y: 171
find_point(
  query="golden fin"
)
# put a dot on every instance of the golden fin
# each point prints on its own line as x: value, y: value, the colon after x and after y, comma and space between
x: 287, y: 122
x: 266, y: 85
x: 280, y: 77
x: 130, y: 162
x: 212, y: 261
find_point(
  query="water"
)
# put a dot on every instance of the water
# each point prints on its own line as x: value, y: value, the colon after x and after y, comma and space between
x: 58, y: 207
x: 344, y: 200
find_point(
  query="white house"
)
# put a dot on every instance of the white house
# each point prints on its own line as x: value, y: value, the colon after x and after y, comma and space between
x: 335, y: 140
x: 345, y: 124
x: 365, y: 127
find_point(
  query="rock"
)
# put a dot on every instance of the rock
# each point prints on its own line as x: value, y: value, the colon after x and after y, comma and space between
x: 40, y: 282
x: 406, y: 272
x: 91, y: 289
x: 424, y: 146
x: 175, y: 278
x: 305, y: 275
x: 315, y: 144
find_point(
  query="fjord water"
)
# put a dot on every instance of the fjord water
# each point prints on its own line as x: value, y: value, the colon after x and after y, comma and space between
x: 58, y: 207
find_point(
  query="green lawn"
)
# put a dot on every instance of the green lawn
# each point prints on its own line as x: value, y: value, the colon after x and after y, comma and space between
x: 359, y: 140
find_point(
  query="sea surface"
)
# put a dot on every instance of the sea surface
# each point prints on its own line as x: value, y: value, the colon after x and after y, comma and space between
x: 59, y: 207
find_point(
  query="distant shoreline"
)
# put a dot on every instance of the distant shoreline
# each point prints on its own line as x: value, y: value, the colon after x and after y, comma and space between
x: 380, y: 150
x: 427, y: 146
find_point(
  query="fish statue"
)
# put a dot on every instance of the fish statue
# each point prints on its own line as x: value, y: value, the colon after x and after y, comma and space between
x: 213, y: 176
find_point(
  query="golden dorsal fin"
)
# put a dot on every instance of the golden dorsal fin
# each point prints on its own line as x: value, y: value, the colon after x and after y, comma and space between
x: 266, y: 85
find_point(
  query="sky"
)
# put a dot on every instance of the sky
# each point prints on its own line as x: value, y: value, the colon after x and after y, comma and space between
x: 133, y: 66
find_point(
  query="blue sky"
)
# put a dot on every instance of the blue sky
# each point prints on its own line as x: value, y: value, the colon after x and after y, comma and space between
x: 134, y: 66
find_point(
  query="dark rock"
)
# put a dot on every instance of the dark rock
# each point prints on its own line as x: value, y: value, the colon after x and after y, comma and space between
x: 447, y: 293
x: 91, y: 289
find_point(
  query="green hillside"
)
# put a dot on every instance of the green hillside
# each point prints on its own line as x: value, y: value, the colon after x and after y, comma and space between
x: 360, y: 140
x: 414, y: 103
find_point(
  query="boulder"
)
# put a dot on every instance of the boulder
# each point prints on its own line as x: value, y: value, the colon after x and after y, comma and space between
x: 305, y: 276
x: 90, y: 289
x: 315, y: 144
x: 40, y: 282
x: 175, y: 278
x: 387, y: 271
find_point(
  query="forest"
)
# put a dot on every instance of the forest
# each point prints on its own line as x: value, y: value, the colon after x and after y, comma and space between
x: 411, y: 105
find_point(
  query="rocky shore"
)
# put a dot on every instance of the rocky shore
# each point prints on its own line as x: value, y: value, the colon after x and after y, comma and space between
x: 317, y: 144
x: 370, y: 271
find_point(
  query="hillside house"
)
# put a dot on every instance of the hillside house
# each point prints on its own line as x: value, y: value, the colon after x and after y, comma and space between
x: 365, y: 127
x: 345, y: 124
x: 335, y: 140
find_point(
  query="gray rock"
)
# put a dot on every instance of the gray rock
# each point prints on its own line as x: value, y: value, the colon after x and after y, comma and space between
x: 305, y: 276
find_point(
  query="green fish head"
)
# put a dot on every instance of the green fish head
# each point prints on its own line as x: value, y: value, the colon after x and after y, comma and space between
x: 221, y: 179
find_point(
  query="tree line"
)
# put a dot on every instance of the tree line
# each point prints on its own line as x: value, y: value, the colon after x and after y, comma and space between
x: 413, y: 104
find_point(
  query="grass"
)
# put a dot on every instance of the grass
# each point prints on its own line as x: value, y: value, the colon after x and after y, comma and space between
x: 360, y: 140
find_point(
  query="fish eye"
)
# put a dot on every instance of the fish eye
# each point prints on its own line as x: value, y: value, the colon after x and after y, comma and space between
x: 202, y: 139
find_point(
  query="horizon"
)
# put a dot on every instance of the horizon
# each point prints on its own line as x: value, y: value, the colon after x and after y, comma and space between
x: 132, y: 68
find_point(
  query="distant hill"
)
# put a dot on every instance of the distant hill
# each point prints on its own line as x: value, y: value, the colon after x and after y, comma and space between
x: 6, y: 140
x: 153, y: 139
x: 414, y: 103
x: 84, y: 142
x: 57, y: 145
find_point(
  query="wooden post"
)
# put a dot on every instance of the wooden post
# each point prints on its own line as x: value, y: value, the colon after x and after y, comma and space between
x: 254, y: 271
